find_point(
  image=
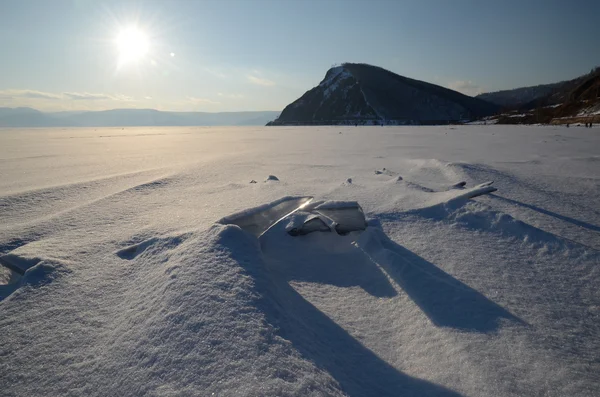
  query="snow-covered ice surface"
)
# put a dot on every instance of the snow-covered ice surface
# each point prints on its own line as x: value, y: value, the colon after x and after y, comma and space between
x: 131, y: 288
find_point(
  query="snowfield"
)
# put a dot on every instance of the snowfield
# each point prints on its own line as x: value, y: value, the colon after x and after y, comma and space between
x: 131, y: 288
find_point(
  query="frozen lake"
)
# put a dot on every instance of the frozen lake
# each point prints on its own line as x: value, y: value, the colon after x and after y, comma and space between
x: 495, y: 296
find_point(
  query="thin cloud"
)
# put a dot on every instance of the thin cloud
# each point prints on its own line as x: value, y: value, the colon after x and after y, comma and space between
x: 202, y: 101
x: 466, y: 87
x: 215, y: 73
x: 86, y: 96
x: 33, y: 94
x: 16, y: 94
x: 49, y: 101
x: 260, y: 81
x: 230, y: 96
x: 121, y: 97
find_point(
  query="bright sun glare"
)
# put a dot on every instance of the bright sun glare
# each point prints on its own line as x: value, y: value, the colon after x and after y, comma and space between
x: 132, y: 44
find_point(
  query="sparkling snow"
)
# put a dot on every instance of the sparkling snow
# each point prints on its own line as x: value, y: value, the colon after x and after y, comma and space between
x: 131, y: 288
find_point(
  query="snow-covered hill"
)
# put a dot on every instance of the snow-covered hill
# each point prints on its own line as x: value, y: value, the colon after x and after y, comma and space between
x: 132, y: 288
x: 360, y: 93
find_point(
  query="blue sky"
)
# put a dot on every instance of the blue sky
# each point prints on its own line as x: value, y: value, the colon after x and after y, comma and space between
x: 233, y: 55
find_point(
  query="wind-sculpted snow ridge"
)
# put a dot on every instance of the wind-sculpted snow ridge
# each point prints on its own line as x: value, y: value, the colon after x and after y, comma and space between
x: 27, y: 273
x: 189, y: 318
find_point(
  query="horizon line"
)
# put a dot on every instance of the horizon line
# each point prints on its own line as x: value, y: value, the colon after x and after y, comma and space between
x: 139, y: 109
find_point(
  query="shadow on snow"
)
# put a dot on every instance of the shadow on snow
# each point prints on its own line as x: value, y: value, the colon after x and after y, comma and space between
x: 446, y: 301
x: 358, y: 370
x: 331, y: 259
x: 564, y: 218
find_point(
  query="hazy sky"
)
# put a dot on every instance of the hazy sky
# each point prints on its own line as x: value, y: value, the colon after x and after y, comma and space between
x: 233, y: 55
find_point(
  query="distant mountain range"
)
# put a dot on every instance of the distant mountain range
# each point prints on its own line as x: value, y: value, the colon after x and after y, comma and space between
x: 27, y: 117
x: 518, y: 97
x: 527, y: 98
x: 366, y: 94
x: 571, y: 101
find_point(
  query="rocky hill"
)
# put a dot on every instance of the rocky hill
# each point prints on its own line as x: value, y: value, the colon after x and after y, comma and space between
x: 574, y: 101
x: 365, y: 94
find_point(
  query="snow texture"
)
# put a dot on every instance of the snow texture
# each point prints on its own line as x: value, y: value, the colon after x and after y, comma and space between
x: 132, y: 287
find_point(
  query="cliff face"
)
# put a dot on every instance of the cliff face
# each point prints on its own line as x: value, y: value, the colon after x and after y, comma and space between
x: 364, y: 93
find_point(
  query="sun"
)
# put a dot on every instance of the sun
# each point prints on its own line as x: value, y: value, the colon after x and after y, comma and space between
x: 132, y: 45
